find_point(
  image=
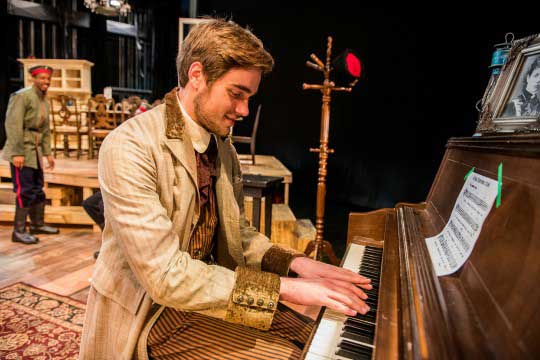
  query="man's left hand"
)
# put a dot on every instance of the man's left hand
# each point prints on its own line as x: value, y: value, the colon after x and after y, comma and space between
x: 308, y: 268
x: 50, y: 160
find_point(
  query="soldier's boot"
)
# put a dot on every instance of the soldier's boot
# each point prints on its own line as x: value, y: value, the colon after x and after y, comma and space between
x: 19, y: 231
x: 37, y: 216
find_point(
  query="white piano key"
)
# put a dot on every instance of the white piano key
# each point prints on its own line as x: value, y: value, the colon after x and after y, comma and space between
x: 328, y: 335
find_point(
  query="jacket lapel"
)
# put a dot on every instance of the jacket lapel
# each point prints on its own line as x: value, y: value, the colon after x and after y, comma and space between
x: 177, y: 141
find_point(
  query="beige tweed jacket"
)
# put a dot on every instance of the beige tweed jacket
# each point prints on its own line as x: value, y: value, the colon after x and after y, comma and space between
x: 148, y: 177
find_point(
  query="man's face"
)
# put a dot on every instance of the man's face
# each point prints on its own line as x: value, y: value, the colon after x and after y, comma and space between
x: 533, y: 81
x: 42, y: 81
x: 217, y: 107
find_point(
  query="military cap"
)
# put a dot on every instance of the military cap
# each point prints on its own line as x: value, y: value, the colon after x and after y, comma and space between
x: 38, y: 69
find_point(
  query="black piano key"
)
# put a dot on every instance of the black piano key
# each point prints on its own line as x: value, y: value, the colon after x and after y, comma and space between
x: 359, y: 327
x: 372, y: 292
x: 373, y: 295
x: 374, y: 269
x: 355, y: 348
x: 355, y: 321
x: 358, y: 324
x: 371, y: 268
x: 348, y: 355
x: 369, y: 273
x: 362, y: 338
x: 371, y: 304
x: 369, y: 316
x: 374, y: 249
x: 374, y: 282
x: 370, y: 263
x: 374, y: 287
x: 372, y: 255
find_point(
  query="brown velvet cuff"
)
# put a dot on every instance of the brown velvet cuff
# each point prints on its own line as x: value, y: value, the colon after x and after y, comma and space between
x: 254, y: 298
x: 278, y: 260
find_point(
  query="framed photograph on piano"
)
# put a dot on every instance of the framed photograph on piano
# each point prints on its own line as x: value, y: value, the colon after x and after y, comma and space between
x: 515, y: 103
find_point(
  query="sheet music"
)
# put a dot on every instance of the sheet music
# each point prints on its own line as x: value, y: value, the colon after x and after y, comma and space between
x: 452, y: 247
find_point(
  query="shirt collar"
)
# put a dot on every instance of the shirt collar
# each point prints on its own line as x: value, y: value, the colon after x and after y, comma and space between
x: 200, y: 137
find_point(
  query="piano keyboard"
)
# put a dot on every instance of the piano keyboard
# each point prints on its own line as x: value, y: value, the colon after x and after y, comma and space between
x: 350, y: 337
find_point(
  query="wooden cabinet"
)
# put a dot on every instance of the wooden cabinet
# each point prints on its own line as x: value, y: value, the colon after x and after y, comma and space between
x: 70, y: 77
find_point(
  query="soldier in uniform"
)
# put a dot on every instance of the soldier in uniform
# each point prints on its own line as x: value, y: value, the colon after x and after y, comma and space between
x: 28, y: 140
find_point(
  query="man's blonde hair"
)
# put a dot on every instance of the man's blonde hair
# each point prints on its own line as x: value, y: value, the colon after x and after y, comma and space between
x: 220, y: 46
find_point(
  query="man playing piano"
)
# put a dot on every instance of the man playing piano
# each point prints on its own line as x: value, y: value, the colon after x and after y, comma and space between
x: 181, y: 274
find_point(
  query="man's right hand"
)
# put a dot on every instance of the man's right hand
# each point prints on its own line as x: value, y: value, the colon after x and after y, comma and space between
x: 18, y: 161
x: 338, y: 295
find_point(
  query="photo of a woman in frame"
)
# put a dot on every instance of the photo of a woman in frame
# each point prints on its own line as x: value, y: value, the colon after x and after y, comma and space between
x: 525, y: 99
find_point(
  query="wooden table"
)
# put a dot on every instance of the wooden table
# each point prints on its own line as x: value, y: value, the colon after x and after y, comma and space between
x: 259, y: 186
x: 267, y: 165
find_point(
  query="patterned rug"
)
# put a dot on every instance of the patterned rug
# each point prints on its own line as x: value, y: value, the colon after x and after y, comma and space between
x: 37, y: 324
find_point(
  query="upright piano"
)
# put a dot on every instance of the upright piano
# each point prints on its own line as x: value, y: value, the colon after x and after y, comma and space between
x: 488, y: 309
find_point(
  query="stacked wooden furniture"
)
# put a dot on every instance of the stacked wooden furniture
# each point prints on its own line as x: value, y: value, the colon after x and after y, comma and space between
x: 102, y: 119
x: 66, y: 122
x: 70, y: 77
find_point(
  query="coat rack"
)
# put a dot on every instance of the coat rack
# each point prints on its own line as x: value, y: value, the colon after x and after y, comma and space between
x: 319, y: 245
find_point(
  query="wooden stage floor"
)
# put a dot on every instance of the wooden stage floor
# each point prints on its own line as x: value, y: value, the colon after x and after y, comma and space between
x: 61, y: 263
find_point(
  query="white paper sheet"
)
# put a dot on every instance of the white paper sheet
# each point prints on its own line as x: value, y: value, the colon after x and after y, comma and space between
x: 451, y: 248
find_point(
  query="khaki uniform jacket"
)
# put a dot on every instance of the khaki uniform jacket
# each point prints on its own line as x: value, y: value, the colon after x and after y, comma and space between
x: 148, y: 178
x: 25, y: 110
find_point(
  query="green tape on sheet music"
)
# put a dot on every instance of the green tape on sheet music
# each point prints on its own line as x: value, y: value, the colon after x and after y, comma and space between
x: 499, y: 188
x: 469, y: 173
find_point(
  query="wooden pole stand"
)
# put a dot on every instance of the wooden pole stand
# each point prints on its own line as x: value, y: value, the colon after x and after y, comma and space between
x: 319, y: 246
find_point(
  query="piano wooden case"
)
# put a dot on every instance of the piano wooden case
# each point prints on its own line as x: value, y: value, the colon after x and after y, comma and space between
x: 490, y: 307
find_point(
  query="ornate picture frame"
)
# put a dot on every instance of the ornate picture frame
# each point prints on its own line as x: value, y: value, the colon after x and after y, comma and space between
x: 514, y: 104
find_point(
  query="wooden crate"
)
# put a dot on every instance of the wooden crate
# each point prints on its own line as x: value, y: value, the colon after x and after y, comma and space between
x: 283, y: 225
x: 304, y: 232
x: 60, y: 195
x: 287, y: 231
x: 53, y: 214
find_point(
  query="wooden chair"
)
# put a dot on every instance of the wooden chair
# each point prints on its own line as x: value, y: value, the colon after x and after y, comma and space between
x: 122, y: 112
x: 66, y: 121
x: 102, y: 119
x: 133, y: 102
x: 250, y: 139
